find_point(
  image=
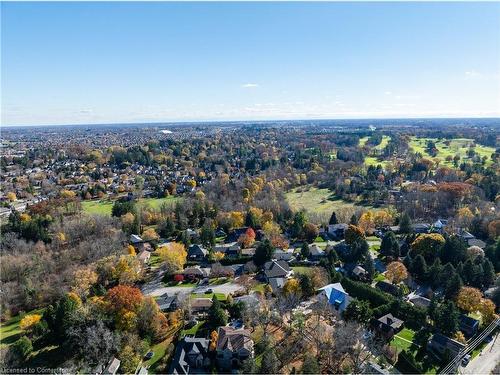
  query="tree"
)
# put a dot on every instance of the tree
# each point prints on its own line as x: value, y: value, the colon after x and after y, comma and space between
x: 263, y: 253
x: 454, y: 250
x: 22, y: 348
x: 405, y: 224
x: 305, y: 252
x: 83, y: 280
x: 291, y: 287
x: 207, y: 235
x: 396, y: 272
x: 174, y: 255
x: 469, y: 299
x: 453, y: 286
x: 487, y: 310
x: 150, y: 235
x: 122, y: 298
x: 488, y: 276
x: 333, y: 219
x: 29, y: 321
x: 306, y: 285
x: 60, y: 317
x: 428, y: 245
x: 11, y: 196
x: 369, y: 267
x: 247, y: 238
x: 447, y: 318
x: 353, y: 234
x: 419, y: 268
x: 310, y: 365
x: 390, y: 245
x: 216, y: 315
x: 269, y: 364
x: 359, y: 311
x: 310, y: 232
x: 129, y: 360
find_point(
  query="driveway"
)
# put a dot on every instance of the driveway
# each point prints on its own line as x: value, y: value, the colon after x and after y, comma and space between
x: 486, y: 361
x: 225, y: 289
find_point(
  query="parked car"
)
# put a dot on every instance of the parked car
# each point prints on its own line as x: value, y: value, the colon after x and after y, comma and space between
x: 208, y: 291
x: 149, y: 355
x: 465, y: 360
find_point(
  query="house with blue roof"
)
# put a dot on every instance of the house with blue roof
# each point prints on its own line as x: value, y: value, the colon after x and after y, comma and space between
x: 336, y: 296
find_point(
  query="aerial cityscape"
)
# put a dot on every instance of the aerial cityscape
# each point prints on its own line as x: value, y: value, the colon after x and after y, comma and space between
x: 250, y: 188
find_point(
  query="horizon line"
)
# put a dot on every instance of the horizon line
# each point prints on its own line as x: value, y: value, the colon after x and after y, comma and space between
x: 180, y: 122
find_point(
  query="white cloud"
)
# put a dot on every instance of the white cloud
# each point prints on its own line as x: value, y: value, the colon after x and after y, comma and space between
x: 473, y: 74
x: 250, y: 85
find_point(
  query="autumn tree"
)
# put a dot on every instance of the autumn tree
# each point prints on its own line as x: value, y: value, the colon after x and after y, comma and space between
x: 291, y: 286
x: 83, y: 280
x: 29, y: 321
x: 428, y: 245
x: 469, y: 299
x: 487, y: 310
x: 174, y: 255
x: 150, y: 235
x: 396, y: 272
x: 123, y: 298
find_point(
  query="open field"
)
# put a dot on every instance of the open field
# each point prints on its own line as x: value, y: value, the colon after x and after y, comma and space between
x: 380, y: 146
x: 104, y: 207
x: 315, y: 200
x: 457, y: 146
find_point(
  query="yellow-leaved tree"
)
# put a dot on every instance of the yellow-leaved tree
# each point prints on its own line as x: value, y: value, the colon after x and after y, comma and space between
x: 29, y: 321
x: 396, y: 272
x: 174, y: 255
x: 469, y: 299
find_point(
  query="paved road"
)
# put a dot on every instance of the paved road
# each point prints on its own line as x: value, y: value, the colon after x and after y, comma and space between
x: 486, y: 361
x: 226, y: 288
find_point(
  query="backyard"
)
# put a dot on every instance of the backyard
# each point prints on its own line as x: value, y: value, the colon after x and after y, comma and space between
x: 104, y: 207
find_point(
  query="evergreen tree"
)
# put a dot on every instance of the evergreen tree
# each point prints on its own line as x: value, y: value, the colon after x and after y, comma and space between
x: 354, y: 220
x: 452, y: 286
x: 217, y: 317
x: 389, y: 246
x: 454, y: 250
x: 405, y: 224
x: 166, y: 229
x: 305, y: 252
x: 419, y: 268
x: 333, y: 219
x: 435, y: 272
x: 269, y: 364
x: 488, y: 273
x: 207, y: 235
x: 263, y: 253
x: 446, y: 319
x: 369, y: 267
x: 310, y: 365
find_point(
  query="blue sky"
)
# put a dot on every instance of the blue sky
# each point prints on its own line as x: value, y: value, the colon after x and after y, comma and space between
x: 70, y: 63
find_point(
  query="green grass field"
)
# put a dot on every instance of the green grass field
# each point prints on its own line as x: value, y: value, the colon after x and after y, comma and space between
x: 219, y: 296
x: 104, y: 207
x: 458, y: 146
x: 403, y: 340
x: 10, y: 330
x: 380, y: 146
x: 315, y: 200
x: 301, y: 270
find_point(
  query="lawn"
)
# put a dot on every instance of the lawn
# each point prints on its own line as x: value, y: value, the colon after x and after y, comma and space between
x: 403, y: 340
x: 104, y: 207
x: 10, y: 330
x: 260, y: 287
x: 457, y: 146
x: 192, y: 331
x: 219, y: 296
x: 301, y: 270
x: 314, y: 200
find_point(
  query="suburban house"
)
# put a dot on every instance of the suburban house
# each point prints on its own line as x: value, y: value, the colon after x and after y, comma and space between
x: 286, y: 255
x: 359, y: 272
x: 277, y: 268
x: 469, y: 326
x: 444, y: 345
x: 135, y: 239
x: 337, y: 231
x: 276, y: 283
x: 388, y: 326
x: 200, y: 305
x: 419, y: 301
x: 196, y: 273
x: 420, y: 228
x: 316, y: 252
x: 439, y: 225
x: 191, y: 356
x: 230, y: 250
x: 112, y: 367
x: 248, y: 252
x: 233, y: 347
x: 167, y: 303
x: 197, y: 252
x: 336, y: 296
